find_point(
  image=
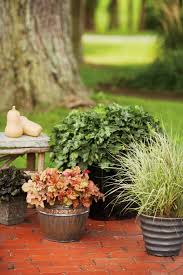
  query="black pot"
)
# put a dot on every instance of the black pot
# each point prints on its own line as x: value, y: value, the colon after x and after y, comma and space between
x: 63, y: 224
x: 162, y: 236
x: 13, y: 211
x: 103, y: 210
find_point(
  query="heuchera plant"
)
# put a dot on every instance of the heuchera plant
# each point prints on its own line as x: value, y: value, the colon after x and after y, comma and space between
x: 68, y: 188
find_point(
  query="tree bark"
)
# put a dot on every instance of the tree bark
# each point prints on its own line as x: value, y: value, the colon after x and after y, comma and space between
x: 113, y: 14
x: 37, y: 64
x: 90, y: 9
x: 142, y: 15
x: 130, y: 15
x: 77, y: 28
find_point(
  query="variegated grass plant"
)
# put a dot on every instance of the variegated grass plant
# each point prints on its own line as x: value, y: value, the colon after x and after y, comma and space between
x: 151, y: 178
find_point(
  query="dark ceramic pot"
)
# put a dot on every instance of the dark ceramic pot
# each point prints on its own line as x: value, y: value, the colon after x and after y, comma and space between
x: 63, y: 224
x: 13, y: 212
x: 162, y: 236
x: 103, y: 210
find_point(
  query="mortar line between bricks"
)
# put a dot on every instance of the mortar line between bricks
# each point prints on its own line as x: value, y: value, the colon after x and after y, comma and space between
x: 149, y: 269
x: 176, y: 268
x: 34, y: 264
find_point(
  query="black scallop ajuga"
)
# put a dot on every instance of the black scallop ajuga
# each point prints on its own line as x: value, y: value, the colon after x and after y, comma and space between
x: 11, y: 181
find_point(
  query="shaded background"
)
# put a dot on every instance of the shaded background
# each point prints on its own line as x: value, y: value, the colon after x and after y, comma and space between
x: 127, y: 51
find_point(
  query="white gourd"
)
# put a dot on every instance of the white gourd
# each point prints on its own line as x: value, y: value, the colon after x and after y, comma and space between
x: 13, y: 127
x: 30, y: 128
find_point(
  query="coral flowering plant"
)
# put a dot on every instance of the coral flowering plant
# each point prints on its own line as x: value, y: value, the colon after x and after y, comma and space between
x: 68, y: 188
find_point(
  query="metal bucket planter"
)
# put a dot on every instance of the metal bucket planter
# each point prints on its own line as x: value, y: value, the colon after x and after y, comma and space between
x: 63, y: 224
x: 162, y: 236
x: 13, y: 212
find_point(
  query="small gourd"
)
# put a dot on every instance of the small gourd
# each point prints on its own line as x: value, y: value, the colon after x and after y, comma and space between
x: 13, y: 127
x: 30, y: 128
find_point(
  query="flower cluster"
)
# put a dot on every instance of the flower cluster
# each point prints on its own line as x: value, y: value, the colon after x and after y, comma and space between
x: 69, y: 188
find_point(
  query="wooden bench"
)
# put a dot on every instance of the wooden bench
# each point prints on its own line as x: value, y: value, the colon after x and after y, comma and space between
x: 12, y: 148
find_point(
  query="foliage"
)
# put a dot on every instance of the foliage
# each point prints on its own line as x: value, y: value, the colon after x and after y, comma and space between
x: 69, y: 188
x: 165, y: 74
x: 171, y: 16
x: 156, y: 172
x: 11, y: 181
x: 152, y: 18
x: 102, y: 16
x: 89, y: 138
x: 167, y: 111
x: 118, y: 50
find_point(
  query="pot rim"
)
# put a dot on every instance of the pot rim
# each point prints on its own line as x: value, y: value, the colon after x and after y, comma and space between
x: 160, y: 218
x: 63, y: 212
x: 62, y: 207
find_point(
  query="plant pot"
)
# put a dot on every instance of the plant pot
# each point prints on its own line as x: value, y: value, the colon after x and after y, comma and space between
x: 13, y: 212
x: 103, y: 210
x: 62, y: 224
x: 162, y: 236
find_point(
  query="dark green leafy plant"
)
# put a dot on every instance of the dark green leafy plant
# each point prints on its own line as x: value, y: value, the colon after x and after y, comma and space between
x: 11, y: 181
x: 164, y: 74
x: 91, y: 137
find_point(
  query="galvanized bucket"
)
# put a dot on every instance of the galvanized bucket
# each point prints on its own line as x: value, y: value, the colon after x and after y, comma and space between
x: 63, y: 224
x: 162, y: 236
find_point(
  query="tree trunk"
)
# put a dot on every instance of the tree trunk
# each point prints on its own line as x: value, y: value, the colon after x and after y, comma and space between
x: 113, y: 14
x: 37, y: 64
x: 130, y: 15
x: 90, y: 9
x: 142, y: 15
x: 77, y: 28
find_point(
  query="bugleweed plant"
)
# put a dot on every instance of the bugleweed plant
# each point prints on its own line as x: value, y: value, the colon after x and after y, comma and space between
x: 151, y: 178
x: 11, y: 181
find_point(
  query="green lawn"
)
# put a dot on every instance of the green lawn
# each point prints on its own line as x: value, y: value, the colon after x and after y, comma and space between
x: 111, y: 57
x: 170, y: 113
x: 120, y: 50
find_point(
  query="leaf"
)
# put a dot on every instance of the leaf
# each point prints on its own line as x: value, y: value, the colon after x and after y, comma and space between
x: 90, y: 137
x: 11, y: 181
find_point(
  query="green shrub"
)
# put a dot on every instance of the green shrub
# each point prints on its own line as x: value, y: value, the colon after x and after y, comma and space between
x: 87, y: 138
x: 165, y: 74
x: 156, y: 174
x: 152, y: 18
x: 171, y: 16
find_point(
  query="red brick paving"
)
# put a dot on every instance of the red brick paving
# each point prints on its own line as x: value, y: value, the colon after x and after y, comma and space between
x: 107, y: 248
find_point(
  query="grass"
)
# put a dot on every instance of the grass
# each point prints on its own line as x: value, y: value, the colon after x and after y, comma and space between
x: 156, y: 173
x: 47, y: 119
x: 111, y: 57
x: 170, y: 113
x: 119, y: 50
x: 134, y: 62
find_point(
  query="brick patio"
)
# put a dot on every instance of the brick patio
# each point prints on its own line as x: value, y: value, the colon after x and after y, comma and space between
x: 107, y: 248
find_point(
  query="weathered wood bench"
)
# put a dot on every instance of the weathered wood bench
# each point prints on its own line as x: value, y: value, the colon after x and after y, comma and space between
x: 11, y: 148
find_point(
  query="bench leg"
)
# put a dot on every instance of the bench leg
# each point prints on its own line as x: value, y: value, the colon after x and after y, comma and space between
x: 31, y: 161
x: 41, y: 162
